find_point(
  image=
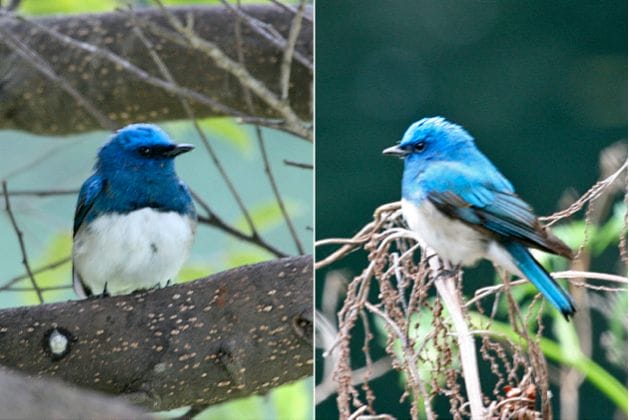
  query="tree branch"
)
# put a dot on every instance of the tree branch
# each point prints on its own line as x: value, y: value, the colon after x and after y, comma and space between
x: 236, y: 333
x: 28, y: 398
x: 118, y: 75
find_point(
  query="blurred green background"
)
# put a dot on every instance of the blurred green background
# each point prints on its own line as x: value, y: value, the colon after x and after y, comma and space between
x: 30, y: 162
x: 541, y: 85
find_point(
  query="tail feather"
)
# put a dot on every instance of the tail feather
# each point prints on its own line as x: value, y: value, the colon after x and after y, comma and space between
x: 536, y: 274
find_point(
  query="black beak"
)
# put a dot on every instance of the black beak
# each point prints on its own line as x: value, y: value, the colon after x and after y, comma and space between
x: 178, y: 149
x: 395, y: 151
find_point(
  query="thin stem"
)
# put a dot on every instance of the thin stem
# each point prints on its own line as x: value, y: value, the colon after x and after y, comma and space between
x: 298, y: 164
x: 43, y: 289
x: 41, y: 193
x: 289, y: 8
x: 213, y: 220
x: 267, y: 32
x: 20, y: 239
x: 223, y: 61
x: 46, y: 267
x: 289, y: 51
x: 276, y: 192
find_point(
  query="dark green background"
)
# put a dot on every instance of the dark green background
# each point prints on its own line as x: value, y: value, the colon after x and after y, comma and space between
x: 541, y: 85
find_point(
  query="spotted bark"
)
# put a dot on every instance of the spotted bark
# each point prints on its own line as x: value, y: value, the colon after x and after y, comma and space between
x: 236, y: 333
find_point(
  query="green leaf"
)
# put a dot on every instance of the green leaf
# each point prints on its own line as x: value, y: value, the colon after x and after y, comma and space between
x: 290, y: 401
x: 227, y: 129
x: 293, y: 401
x: 194, y: 272
x: 47, y: 7
x: 567, y: 336
x: 267, y: 215
x: 239, y: 256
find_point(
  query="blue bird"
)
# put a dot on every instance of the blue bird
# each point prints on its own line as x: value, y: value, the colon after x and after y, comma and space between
x: 463, y: 208
x: 135, y: 221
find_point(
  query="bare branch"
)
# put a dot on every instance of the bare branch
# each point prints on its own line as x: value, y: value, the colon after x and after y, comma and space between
x: 277, y: 194
x: 50, y: 266
x: 289, y: 51
x: 20, y: 239
x: 298, y: 164
x: 590, y: 195
x: 223, y: 61
x: 30, y: 398
x: 267, y: 31
x: 213, y: 220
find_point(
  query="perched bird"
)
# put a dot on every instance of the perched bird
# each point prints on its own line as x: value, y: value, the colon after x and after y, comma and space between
x: 135, y: 220
x: 463, y: 208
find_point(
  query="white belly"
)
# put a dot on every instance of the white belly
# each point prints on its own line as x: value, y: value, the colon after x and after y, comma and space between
x: 139, y: 250
x: 452, y: 240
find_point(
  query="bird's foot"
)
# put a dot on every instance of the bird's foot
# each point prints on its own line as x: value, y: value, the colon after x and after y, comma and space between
x: 105, y: 293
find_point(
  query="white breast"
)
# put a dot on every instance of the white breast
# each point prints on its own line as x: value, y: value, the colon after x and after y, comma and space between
x: 139, y: 250
x: 454, y: 241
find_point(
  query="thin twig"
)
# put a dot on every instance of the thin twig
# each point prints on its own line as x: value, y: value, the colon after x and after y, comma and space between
x: 276, y: 192
x: 223, y: 61
x: 258, y: 131
x: 20, y: 239
x: 43, y: 289
x: 592, y: 193
x: 298, y: 164
x: 568, y: 275
x: 289, y: 51
x: 290, y: 8
x: 135, y: 70
x: 43, y: 67
x: 267, y: 32
x: 213, y: 220
x: 41, y: 193
x: 360, y: 238
x: 46, y: 267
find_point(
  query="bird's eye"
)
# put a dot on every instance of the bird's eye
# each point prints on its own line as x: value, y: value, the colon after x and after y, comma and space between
x: 418, y: 147
x: 144, y: 151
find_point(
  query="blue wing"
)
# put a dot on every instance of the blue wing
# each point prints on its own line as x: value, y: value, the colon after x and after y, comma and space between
x: 90, y: 190
x: 486, y: 201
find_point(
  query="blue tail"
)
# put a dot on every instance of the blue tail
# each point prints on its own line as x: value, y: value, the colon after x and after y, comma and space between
x: 536, y: 274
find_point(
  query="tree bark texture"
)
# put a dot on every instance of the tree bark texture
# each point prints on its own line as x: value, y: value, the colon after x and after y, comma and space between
x: 236, y: 333
x: 29, y: 398
x: 31, y: 101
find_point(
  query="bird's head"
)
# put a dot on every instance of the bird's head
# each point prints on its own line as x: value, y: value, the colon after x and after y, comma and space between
x: 432, y: 138
x: 138, y: 147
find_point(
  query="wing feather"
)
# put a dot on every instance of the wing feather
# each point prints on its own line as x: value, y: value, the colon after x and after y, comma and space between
x: 90, y: 190
x: 485, y: 206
